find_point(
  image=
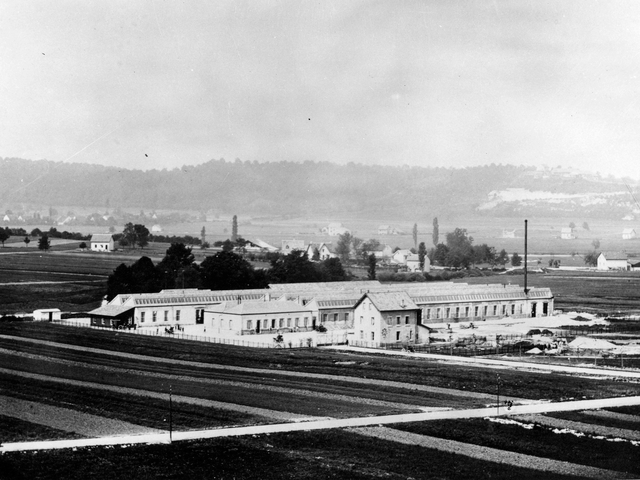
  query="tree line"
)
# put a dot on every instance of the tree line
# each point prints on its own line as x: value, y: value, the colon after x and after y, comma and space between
x: 224, y: 270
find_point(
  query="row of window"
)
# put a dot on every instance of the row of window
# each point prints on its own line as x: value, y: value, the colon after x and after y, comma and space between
x: 280, y: 323
x: 165, y: 316
x: 373, y: 335
x: 335, y: 317
x: 465, y: 312
x: 390, y: 320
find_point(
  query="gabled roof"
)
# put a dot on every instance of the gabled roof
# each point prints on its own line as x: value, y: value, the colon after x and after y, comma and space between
x: 614, y: 255
x: 414, y: 257
x: 101, y: 237
x: 389, y: 301
x: 110, y: 310
x: 628, y: 230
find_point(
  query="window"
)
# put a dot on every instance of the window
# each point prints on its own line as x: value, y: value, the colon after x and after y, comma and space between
x: 466, y: 311
x: 361, y: 335
x: 406, y: 319
x: 410, y: 334
x: 306, y: 321
x: 428, y: 314
x: 335, y: 317
x: 486, y: 309
x: 154, y: 316
x: 249, y: 324
x: 373, y: 336
x: 398, y: 320
x: 373, y: 321
x: 346, y: 316
x: 177, y: 315
x: 504, y: 309
x: 166, y: 315
x: 448, y: 313
x: 361, y: 319
x: 495, y: 309
x: 513, y: 309
x: 297, y: 321
x: 288, y: 323
x: 437, y: 313
x: 230, y: 324
x: 273, y: 323
x: 324, y: 317
x: 281, y: 323
x: 397, y: 336
x: 475, y: 311
x: 142, y: 317
x: 457, y: 312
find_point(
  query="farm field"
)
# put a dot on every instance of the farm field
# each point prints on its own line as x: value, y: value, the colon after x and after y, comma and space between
x: 128, y: 379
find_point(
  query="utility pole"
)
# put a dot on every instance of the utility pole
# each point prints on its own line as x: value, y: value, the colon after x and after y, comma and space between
x: 498, y: 399
x: 170, y: 416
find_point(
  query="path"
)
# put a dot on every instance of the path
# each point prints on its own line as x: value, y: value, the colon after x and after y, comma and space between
x: 325, y: 424
x: 68, y: 420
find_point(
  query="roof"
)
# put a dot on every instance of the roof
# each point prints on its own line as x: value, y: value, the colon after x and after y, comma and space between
x: 414, y: 257
x: 110, y: 310
x: 266, y: 308
x: 628, y: 230
x: 614, y: 255
x: 390, y: 301
x: 567, y: 230
x: 101, y: 237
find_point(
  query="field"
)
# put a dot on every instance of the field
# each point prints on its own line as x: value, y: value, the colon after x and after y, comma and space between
x: 127, y: 380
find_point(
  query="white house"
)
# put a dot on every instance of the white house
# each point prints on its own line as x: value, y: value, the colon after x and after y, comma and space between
x: 47, y: 314
x: 384, y: 230
x: 102, y: 242
x: 335, y: 229
x: 400, y: 256
x: 567, y: 233
x: 325, y: 251
x: 156, y: 228
x: 382, y: 251
x: 613, y: 261
x: 413, y: 263
x: 508, y: 233
x: 628, y: 233
x: 385, y: 317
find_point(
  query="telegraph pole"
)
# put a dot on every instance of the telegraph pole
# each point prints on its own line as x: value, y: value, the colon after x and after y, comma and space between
x: 170, y: 416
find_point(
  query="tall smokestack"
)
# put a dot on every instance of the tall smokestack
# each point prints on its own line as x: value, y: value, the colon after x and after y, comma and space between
x: 526, y: 290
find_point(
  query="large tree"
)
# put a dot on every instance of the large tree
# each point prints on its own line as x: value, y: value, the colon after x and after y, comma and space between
x: 44, y: 243
x: 177, y: 269
x: 460, y: 248
x: 368, y: 247
x: 422, y: 253
x: 135, y: 235
x: 343, y: 248
x: 229, y: 271
x: 516, y: 260
x: 435, y: 235
x: 294, y: 267
x: 4, y: 235
x: 415, y: 235
x: 371, y: 271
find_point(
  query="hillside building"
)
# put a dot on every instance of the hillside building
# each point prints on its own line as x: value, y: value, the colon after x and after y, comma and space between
x: 102, y: 242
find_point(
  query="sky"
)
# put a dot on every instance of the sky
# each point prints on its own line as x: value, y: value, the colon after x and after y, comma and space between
x: 161, y: 84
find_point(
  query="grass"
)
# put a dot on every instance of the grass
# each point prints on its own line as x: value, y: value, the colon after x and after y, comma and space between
x: 16, y: 430
x: 308, y: 455
x: 595, y: 420
x: 538, y: 441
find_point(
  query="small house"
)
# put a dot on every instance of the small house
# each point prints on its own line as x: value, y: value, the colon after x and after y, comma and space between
x: 335, y: 229
x: 47, y: 315
x: 102, y: 242
x: 567, y: 233
x: 413, y: 263
x: 613, y: 261
x: 384, y: 318
x: 628, y: 233
x: 290, y: 245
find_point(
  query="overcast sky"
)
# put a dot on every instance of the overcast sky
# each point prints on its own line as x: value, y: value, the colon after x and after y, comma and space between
x: 155, y: 84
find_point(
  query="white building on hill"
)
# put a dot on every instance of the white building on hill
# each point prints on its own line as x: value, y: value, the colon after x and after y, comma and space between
x: 102, y: 242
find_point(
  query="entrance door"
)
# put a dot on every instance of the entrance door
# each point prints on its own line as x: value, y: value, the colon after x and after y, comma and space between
x: 533, y: 309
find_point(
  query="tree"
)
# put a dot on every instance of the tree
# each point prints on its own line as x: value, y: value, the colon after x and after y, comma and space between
x: 591, y: 259
x: 596, y: 244
x: 516, y: 260
x: 439, y: 255
x: 371, y: 271
x: 44, y: 243
x: 4, y: 235
x: 142, y: 235
x: 82, y: 246
x: 203, y: 235
x: 422, y: 253
x: 229, y: 271
x: 316, y: 254
x: 502, y: 257
x: 178, y: 263
x: 585, y: 225
x: 332, y: 270
x: 234, y: 228
x: 460, y: 248
x: 415, y: 235
x: 294, y: 267
x: 369, y: 246
x: 572, y: 225
x: 26, y: 241
x: 227, y: 246
x: 436, y: 232
x: 343, y: 248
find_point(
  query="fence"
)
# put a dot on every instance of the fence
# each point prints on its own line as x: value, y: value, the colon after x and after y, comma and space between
x: 243, y: 341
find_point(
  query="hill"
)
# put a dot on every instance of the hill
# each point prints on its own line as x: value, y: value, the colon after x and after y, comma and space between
x: 288, y: 188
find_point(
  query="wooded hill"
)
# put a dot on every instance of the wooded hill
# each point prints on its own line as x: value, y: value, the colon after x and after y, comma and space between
x: 287, y: 188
